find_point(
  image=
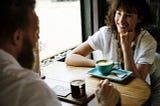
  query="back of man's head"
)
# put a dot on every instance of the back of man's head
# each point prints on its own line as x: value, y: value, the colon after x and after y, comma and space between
x: 13, y: 16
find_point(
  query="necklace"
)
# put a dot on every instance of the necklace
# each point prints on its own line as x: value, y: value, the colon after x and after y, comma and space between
x: 120, y: 54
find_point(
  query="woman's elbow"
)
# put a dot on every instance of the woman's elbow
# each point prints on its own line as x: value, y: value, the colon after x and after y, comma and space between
x: 68, y: 59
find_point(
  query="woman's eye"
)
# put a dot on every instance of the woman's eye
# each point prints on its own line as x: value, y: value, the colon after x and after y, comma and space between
x: 129, y: 15
x: 118, y: 13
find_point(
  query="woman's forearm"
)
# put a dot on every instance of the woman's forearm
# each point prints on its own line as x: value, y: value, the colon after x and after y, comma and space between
x: 129, y: 62
x: 78, y: 60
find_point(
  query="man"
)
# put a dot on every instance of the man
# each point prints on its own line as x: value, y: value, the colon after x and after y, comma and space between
x: 19, y: 86
x: 18, y: 36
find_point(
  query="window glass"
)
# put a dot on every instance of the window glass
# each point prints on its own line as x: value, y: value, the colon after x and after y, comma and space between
x: 60, y: 26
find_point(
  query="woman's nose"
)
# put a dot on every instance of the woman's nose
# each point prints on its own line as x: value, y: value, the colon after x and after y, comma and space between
x: 37, y: 34
x: 122, y: 19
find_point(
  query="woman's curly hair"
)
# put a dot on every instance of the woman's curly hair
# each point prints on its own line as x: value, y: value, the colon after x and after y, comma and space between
x: 140, y: 7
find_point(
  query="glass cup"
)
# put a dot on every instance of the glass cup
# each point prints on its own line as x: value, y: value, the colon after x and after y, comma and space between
x: 78, y: 89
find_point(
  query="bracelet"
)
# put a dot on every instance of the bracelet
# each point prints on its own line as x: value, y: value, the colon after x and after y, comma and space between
x: 119, y: 102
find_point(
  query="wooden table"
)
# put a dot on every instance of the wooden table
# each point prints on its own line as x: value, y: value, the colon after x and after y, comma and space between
x: 134, y: 92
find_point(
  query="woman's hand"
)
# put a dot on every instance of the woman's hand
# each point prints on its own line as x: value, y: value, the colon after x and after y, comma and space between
x: 126, y: 40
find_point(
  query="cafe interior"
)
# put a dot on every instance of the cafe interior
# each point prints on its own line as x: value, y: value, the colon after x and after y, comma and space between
x: 67, y: 24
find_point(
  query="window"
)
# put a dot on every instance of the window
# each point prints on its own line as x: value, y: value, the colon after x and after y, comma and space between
x: 60, y: 26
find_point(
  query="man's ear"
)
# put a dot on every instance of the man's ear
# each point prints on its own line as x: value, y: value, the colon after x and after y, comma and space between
x: 17, y: 37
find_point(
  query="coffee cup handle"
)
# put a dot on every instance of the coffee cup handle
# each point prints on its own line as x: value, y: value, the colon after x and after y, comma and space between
x: 117, y: 65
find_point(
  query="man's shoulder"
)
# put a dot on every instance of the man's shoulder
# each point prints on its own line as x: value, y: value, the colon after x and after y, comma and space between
x: 24, y: 84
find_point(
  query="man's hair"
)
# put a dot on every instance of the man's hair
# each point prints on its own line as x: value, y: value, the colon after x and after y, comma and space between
x: 14, y: 15
x: 140, y: 7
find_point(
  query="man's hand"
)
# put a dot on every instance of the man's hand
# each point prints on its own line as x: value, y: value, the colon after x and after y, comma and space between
x: 106, y: 94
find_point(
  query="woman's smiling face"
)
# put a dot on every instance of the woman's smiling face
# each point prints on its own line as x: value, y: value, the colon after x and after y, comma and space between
x: 125, y: 21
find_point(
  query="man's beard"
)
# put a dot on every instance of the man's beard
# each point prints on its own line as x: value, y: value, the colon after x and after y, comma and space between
x: 26, y: 57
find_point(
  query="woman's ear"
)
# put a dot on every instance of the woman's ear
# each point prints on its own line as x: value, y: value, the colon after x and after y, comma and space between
x: 17, y: 37
x: 140, y: 19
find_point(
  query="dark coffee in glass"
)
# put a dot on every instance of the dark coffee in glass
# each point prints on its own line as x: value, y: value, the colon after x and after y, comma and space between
x: 78, y: 88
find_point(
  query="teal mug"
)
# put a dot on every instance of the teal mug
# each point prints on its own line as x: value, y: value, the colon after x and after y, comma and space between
x: 106, y: 66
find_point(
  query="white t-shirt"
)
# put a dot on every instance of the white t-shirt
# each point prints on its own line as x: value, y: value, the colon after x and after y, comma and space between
x: 22, y: 87
x: 104, y: 40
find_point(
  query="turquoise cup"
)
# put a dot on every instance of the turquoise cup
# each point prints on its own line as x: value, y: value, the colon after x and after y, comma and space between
x: 106, y: 66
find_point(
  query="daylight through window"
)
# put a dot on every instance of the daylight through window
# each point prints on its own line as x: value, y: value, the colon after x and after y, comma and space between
x: 60, y: 26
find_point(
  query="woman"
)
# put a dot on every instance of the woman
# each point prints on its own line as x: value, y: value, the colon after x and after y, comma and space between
x: 123, y: 39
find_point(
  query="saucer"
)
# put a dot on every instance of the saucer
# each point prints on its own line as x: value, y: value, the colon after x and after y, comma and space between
x: 116, y: 75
